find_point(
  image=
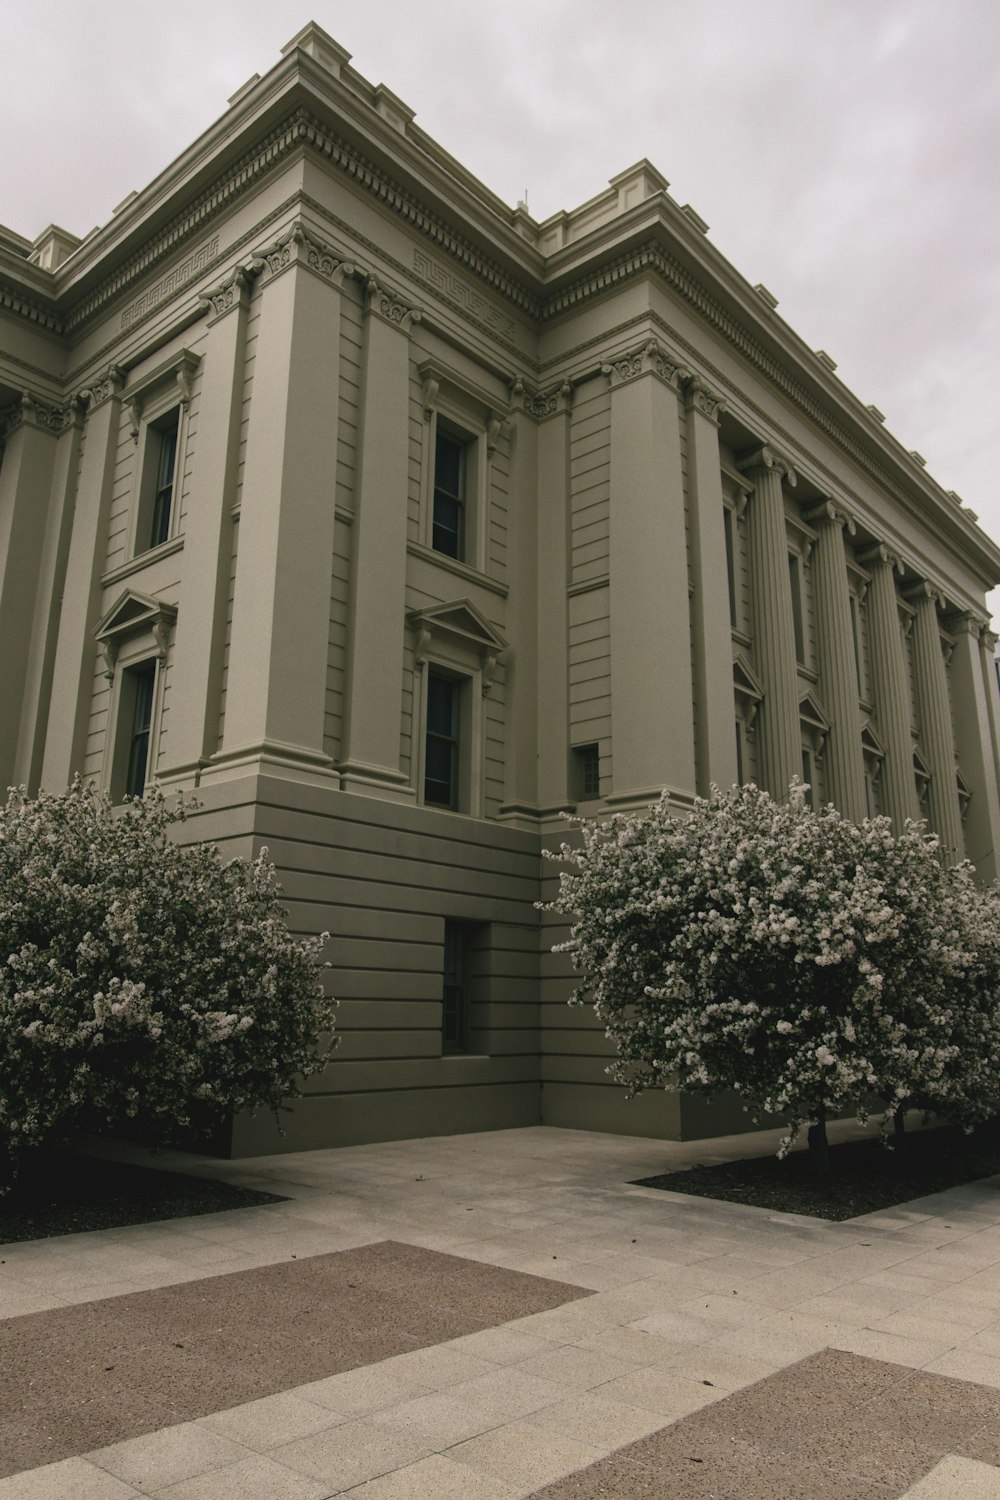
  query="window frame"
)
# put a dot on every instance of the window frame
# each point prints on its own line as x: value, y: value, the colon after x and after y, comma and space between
x: 133, y: 637
x: 471, y: 416
x: 469, y: 748
x: 157, y: 404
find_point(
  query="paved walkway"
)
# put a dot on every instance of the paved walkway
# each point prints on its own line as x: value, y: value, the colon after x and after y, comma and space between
x: 671, y: 1375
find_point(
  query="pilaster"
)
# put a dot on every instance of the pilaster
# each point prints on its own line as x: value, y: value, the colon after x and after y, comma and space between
x: 73, y: 670
x: 974, y: 741
x: 276, y: 683
x: 30, y: 431
x: 838, y: 675
x: 936, y: 739
x: 778, y: 730
x: 371, y: 760
x: 891, y: 684
x: 651, y: 684
x: 199, y: 639
x: 715, y: 745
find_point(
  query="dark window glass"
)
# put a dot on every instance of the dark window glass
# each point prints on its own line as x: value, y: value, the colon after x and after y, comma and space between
x: 441, y: 745
x: 449, y: 496
x: 795, y: 582
x: 729, y: 521
x: 740, y: 773
x: 163, y: 493
x: 142, y: 718
x: 454, y: 1007
x: 588, y: 770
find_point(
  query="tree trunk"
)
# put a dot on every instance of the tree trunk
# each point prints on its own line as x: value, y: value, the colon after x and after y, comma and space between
x: 899, y: 1128
x: 819, y: 1147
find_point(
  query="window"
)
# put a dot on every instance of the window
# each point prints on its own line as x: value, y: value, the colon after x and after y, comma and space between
x: 156, y: 404
x: 856, y: 638
x: 449, y: 517
x: 809, y: 777
x: 455, y: 993
x: 441, y: 758
x: 795, y: 583
x: 587, y: 772
x: 164, y: 444
x: 729, y: 522
x: 139, y: 684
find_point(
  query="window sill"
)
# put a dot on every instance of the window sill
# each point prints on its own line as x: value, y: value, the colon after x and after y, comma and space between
x: 460, y: 569
x: 142, y: 560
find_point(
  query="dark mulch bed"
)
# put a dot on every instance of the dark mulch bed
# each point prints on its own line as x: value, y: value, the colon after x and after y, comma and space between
x: 60, y: 1192
x: 863, y: 1177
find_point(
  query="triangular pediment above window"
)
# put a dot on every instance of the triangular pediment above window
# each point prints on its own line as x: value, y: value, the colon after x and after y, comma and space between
x: 745, y: 680
x: 132, y: 614
x: 462, y: 622
x: 871, y: 745
x: 814, y: 723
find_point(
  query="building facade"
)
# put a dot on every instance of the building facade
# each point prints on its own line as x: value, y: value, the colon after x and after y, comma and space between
x: 394, y: 524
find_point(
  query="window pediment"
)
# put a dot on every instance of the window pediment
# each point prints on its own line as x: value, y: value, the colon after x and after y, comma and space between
x: 460, y: 626
x: 815, y: 724
x: 133, y: 614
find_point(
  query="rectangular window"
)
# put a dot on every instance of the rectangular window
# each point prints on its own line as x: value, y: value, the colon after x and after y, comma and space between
x: 586, y: 772
x: 441, y: 742
x: 795, y: 583
x: 454, y: 1008
x: 140, y: 682
x: 449, y: 521
x: 729, y: 521
x: 163, y: 488
x: 856, y: 637
x: 740, y: 767
x: 808, y: 777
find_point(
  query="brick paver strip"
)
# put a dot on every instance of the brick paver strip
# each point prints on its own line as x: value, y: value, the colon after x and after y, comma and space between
x: 835, y: 1426
x: 79, y: 1377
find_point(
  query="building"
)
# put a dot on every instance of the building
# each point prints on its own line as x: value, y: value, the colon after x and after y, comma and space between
x: 394, y: 524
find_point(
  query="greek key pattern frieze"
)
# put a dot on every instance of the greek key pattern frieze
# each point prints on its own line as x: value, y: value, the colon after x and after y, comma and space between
x: 172, y: 282
x: 460, y: 293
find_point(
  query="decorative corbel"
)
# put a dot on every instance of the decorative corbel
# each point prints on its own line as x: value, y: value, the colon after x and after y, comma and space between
x: 109, y: 650
x: 431, y: 389
x: 161, y: 630
x: 488, y: 669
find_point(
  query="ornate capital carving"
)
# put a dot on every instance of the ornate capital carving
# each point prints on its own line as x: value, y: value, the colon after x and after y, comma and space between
x: 988, y: 640
x: 30, y: 411
x: 701, y: 398
x: 767, y: 459
x: 920, y: 593
x: 297, y: 247
x: 231, y: 292
x: 967, y: 623
x: 881, y: 555
x: 650, y: 359
x: 542, y: 404
x: 103, y: 388
x: 829, y: 513
x: 390, y: 308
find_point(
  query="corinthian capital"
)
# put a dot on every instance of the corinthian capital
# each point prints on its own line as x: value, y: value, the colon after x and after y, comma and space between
x: 703, y: 399
x: 231, y: 292
x: 104, y: 387
x: 386, y: 305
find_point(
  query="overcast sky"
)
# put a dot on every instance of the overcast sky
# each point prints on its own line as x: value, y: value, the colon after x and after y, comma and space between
x: 846, y: 153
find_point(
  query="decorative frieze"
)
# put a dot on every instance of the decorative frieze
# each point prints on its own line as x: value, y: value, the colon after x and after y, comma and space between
x: 192, y: 266
x: 462, y: 294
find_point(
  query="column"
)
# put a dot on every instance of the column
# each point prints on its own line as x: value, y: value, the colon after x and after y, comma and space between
x: 196, y: 669
x: 715, y: 743
x: 554, y: 562
x: 651, y: 686
x: 279, y: 645
x: 974, y: 742
x: 25, y: 490
x: 73, y: 670
x: 779, y: 734
x: 892, y: 688
x: 934, y: 709
x: 538, y: 670
x: 378, y: 581
x: 44, y: 622
x: 838, y: 674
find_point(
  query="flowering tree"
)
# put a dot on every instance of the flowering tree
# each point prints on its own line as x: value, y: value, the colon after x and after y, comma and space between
x: 141, y: 976
x: 805, y: 962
